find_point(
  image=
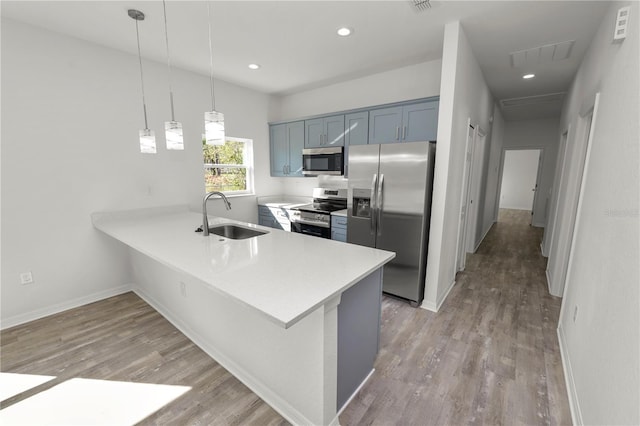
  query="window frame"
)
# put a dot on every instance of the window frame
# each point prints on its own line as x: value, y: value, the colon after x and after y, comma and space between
x: 247, y: 156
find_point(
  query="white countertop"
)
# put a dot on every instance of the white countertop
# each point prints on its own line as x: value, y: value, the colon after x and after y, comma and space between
x: 342, y: 213
x: 283, y: 275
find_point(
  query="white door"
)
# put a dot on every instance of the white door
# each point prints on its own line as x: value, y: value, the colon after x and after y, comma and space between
x: 473, y: 208
x: 519, y: 178
x: 462, y: 224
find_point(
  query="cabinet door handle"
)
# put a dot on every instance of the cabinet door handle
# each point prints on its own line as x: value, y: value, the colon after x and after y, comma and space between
x: 404, y: 132
x: 284, y: 169
x: 397, y: 132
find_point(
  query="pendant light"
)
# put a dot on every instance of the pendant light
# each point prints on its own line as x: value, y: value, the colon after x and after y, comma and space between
x: 147, y: 136
x: 213, y: 120
x: 173, y: 128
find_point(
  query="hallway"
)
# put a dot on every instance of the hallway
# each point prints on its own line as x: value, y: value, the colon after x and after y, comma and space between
x: 490, y: 356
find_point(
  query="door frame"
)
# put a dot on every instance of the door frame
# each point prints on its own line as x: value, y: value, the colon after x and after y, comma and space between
x: 539, y: 171
x: 558, y: 177
x: 461, y: 253
x: 587, y: 126
x: 474, y: 192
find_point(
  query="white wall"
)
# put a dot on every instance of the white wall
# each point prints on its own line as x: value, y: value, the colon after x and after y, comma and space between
x: 537, y: 134
x: 519, y: 175
x: 463, y: 94
x: 600, y: 347
x: 401, y: 84
x: 71, y: 111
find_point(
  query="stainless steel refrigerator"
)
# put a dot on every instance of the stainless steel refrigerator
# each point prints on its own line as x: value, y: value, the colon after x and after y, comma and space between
x: 389, y: 205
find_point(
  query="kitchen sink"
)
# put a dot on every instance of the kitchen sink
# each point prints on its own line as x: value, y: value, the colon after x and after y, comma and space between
x: 235, y: 232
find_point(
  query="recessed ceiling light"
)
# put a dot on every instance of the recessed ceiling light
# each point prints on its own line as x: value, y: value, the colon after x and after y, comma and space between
x: 528, y: 76
x: 254, y: 66
x: 344, y: 31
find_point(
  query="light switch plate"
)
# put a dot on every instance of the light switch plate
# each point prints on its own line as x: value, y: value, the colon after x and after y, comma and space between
x: 622, y: 21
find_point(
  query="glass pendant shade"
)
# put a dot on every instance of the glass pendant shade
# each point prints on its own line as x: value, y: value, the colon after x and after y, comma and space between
x: 214, y: 128
x: 173, y: 134
x: 147, y: 141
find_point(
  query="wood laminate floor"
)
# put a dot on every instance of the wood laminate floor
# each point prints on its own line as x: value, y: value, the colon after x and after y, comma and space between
x: 490, y: 356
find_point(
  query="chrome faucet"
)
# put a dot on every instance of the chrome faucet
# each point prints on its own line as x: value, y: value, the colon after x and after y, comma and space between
x: 205, y: 220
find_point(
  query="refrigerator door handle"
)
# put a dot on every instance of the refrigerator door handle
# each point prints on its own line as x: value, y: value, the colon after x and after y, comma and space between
x: 379, y: 202
x: 372, y: 204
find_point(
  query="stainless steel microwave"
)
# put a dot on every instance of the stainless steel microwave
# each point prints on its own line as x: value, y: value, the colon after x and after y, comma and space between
x: 323, y: 161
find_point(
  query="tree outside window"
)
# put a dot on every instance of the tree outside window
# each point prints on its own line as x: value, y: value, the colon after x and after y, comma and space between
x: 228, y: 168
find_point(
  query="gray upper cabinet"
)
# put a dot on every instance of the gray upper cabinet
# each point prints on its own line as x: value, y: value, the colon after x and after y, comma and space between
x: 384, y: 125
x: 356, y: 132
x: 407, y: 123
x: 286, y: 144
x: 420, y: 122
x: 324, y: 132
x: 356, y: 126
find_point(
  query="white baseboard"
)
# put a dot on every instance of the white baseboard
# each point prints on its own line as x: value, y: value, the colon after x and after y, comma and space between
x: 353, y: 395
x: 64, y: 306
x: 435, y: 307
x: 275, y: 401
x: 542, y: 250
x: 574, y: 403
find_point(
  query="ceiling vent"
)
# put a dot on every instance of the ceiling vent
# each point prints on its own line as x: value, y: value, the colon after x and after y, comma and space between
x: 551, y: 98
x: 542, y: 54
x: 421, y: 5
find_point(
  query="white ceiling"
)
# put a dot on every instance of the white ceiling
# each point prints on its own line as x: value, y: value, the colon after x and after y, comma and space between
x: 296, y: 45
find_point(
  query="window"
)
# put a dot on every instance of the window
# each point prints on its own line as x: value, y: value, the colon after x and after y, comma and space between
x: 228, y: 168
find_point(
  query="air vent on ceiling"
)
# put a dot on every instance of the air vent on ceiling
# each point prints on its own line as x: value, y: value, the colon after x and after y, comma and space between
x: 421, y: 5
x: 542, y: 54
x: 532, y: 100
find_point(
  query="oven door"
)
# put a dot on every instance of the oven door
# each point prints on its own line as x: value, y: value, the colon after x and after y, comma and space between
x: 310, y: 229
x: 322, y: 161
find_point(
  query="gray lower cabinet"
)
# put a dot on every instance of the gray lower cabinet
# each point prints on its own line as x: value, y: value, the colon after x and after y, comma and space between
x: 274, y: 217
x: 406, y: 123
x: 358, y: 334
x: 339, y: 228
x: 286, y: 143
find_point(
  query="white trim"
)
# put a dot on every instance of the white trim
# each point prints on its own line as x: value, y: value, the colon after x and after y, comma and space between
x: 63, y: 306
x: 576, y: 223
x: 460, y: 262
x: 546, y: 272
x: 355, y: 393
x: 275, y: 401
x: 574, y: 402
x: 435, y: 307
x: 542, y: 251
x: 483, y: 237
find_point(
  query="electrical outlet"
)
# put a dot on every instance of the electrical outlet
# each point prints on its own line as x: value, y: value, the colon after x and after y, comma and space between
x: 575, y: 313
x: 183, y: 289
x: 26, y: 278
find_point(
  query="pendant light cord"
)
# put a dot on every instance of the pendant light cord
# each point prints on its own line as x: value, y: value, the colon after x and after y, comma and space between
x: 166, y: 36
x: 213, y: 93
x: 144, y: 102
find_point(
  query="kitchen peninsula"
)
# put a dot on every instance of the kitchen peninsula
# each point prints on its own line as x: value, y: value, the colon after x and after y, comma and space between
x: 295, y: 318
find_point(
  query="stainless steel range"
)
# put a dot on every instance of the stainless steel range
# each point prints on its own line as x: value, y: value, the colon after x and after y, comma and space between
x: 315, y: 218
